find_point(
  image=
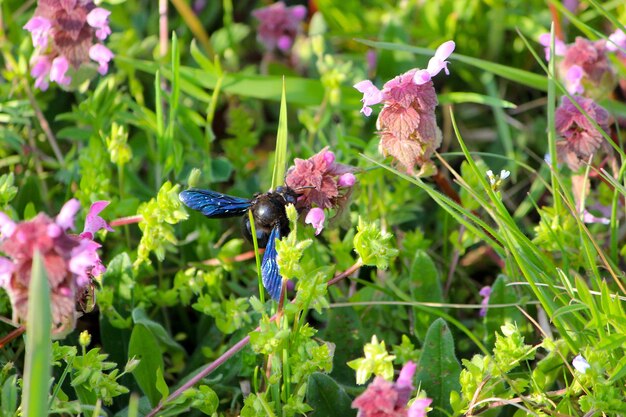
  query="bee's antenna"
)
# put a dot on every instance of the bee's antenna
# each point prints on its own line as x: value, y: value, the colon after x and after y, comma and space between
x: 305, y: 187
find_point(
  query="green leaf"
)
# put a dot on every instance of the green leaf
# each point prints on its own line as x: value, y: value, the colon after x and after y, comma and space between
x: 8, y: 400
x: 496, y: 317
x: 144, y: 346
x: 38, y: 369
x: 327, y: 398
x: 161, y: 386
x: 280, y: 163
x: 438, y: 370
x: 158, y: 331
x: 425, y: 286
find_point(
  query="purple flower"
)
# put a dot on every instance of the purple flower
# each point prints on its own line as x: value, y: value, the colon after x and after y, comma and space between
x: 70, y: 262
x: 39, y: 28
x: 98, y: 19
x: 617, y: 41
x: 387, y: 399
x: 316, y: 180
x: 279, y: 25
x: 371, y: 95
x: 59, y: 67
x: 102, y: 55
x: 598, y: 74
x: 63, y: 33
x: 573, y: 79
x: 41, y: 70
x: 484, y: 292
x: 315, y: 217
x: 407, y: 124
x: 419, y: 406
x: 581, y: 364
x: 346, y: 180
x: 559, y: 45
x: 579, y: 137
x: 590, y: 218
x: 435, y: 64
x: 93, y: 222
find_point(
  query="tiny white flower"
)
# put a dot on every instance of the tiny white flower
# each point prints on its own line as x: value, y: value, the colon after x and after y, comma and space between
x: 581, y: 364
x: 492, y: 178
x: 504, y: 174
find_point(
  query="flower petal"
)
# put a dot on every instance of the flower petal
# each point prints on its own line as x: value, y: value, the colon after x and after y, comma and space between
x: 65, y: 218
x: 93, y: 222
x: 316, y: 218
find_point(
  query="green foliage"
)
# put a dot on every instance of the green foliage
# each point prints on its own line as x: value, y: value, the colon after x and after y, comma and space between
x: 375, y: 362
x: 373, y: 246
x: 438, y: 369
x: 37, y: 367
x: 201, y: 109
x: 158, y: 216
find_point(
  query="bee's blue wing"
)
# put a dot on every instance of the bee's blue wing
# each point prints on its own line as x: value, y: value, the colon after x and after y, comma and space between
x: 214, y: 204
x: 272, y: 280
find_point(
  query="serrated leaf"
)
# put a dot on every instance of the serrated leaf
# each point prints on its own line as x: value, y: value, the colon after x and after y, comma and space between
x: 438, y: 370
x: 327, y: 398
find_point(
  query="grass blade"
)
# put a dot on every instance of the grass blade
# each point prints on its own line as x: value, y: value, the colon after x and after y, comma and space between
x: 38, y: 343
x: 280, y: 163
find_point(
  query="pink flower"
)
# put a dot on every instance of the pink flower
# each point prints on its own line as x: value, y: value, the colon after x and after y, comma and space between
x: 315, y: 217
x: 598, y: 74
x: 93, y: 222
x: 63, y: 33
x: 59, y: 67
x: 407, y: 124
x: 435, y: 64
x: 387, y: 399
x: 484, y: 292
x: 39, y: 28
x: 98, y: 18
x: 419, y: 406
x: 7, y: 226
x: 41, y: 70
x: 617, y: 41
x: 371, y: 95
x: 559, y: 45
x: 316, y: 180
x: 70, y: 262
x: 279, y: 25
x: 573, y: 78
x: 579, y: 137
x: 65, y: 218
x: 102, y: 55
x: 346, y: 180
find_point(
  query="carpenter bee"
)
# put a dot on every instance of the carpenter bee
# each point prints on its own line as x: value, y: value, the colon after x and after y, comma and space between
x: 270, y: 222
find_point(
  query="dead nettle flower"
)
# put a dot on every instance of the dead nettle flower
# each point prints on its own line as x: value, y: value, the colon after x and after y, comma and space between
x: 70, y: 261
x: 580, y: 138
x: 407, y: 124
x: 279, y: 25
x: 585, y: 66
x: 484, y: 292
x: 617, y: 41
x: 320, y: 183
x: 388, y: 399
x: 63, y: 33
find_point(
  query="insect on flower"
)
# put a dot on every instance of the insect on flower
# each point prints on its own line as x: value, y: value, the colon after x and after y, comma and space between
x: 270, y: 221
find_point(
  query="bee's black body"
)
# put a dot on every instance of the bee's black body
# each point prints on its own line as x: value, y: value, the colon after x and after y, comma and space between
x: 270, y: 221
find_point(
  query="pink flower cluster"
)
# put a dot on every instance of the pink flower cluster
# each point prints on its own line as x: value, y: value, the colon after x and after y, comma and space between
x: 70, y: 261
x: 407, y: 124
x: 63, y: 34
x: 321, y: 184
x: 388, y: 399
x: 579, y: 137
x: 584, y: 65
x: 279, y: 25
